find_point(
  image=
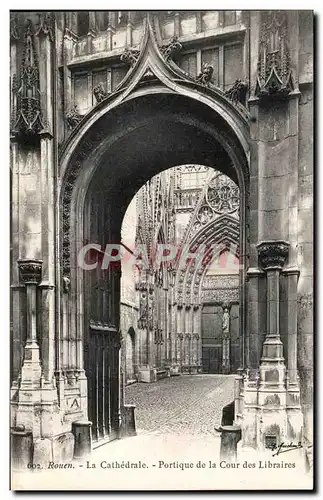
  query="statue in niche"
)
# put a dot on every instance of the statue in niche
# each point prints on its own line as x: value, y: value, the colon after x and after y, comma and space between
x: 226, y: 321
x: 226, y: 340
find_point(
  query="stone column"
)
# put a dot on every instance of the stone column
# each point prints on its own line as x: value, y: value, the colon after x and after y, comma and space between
x: 111, y: 29
x: 256, y: 311
x: 30, y: 271
x: 291, y: 275
x: 272, y: 256
x: 92, y: 31
x: 129, y: 29
x: 283, y: 417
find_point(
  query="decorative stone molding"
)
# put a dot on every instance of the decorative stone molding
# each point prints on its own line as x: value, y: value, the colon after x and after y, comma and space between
x: 27, y: 115
x: 238, y: 92
x: 148, y: 76
x: 98, y: 325
x: 130, y: 56
x: 72, y: 118
x: 172, y: 48
x: 46, y: 25
x: 222, y: 282
x: 70, y: 35
x: 205, y: 77
x: 14, y: 32
x: 221, y: 294
x: 99, y: 93
x: 30, y: 270
x: 274, y: 70
x: 305, y: 303
x: 273, y: 254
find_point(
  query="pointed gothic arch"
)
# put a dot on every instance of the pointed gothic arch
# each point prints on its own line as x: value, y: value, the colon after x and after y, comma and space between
x: 157, y: 118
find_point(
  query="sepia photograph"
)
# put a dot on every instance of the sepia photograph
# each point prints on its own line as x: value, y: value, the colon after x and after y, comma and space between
x: 161, y: 250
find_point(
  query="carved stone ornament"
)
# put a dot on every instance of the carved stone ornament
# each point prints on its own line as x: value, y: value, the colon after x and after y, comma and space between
x: 27, y: 112
x: 66, y: 284
x: 273, y: 254
x: 73, y: 118
x: 205, y: 76
x: 130, y: 56
x: 46, y: 25
x: 223, y: 194
x: 99, y: 93
x: 238, y: 92
x: 14, y: 32
x: 30, y: 270
x: 172, y: 48
x: 274, y: 70
x: 158, y: 337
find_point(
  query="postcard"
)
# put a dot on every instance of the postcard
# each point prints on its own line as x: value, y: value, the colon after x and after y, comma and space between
x: 161, y: 185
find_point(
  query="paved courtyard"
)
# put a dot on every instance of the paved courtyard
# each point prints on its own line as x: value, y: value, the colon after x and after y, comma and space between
x: 176, y: 447
x: 181, y: 405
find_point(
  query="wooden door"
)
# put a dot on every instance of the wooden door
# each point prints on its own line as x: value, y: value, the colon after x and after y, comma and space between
x: 211, y: 339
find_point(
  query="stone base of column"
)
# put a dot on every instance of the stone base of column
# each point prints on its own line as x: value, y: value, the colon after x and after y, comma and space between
x: 31, y: 368
x: 35, y: 412
x: 271, y: 411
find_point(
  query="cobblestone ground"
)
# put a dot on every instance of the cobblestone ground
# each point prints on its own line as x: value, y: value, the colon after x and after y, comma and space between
x: 181, y: 405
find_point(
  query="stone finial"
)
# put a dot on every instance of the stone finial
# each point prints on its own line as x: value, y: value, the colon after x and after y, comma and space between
x: 30, y: 270
x: 273, y: 254
x: 28, y: 120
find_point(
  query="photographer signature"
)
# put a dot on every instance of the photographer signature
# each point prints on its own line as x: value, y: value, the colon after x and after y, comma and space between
x: 284, y: 447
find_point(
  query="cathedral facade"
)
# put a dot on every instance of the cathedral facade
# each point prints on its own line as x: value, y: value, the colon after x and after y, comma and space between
x: 159, y: 130
x: 186, y: 301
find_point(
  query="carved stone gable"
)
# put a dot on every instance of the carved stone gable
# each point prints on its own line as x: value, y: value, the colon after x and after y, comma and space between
x: 27, y: 113
x: 274, y: 71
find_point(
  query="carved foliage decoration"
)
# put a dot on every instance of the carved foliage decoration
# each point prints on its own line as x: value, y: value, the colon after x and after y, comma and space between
x: 73, y: 117
x: 273, y: 254
x: 238, y: 92
x: 274, y: 70
x: 26, y: 94
x: 30, y: 270
x: 130, y: 56
x: 172, y: 48
x: 99, y: 93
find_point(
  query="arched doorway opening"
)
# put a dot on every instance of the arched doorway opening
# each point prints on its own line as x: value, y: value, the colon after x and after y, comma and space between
x: 180, y: 273
x: 116, y: 156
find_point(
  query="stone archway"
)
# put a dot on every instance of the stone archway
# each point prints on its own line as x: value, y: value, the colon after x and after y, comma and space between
x: 151, y: 126
x: 153, y: 140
